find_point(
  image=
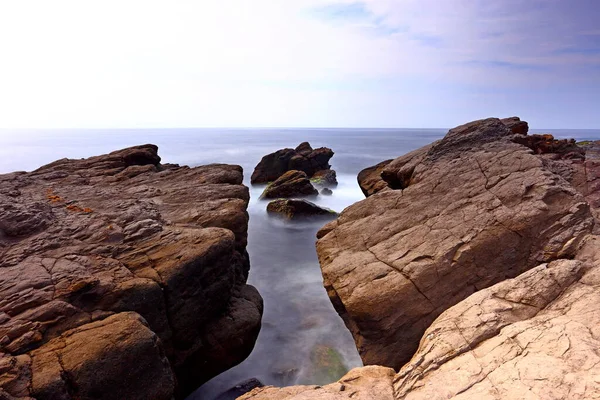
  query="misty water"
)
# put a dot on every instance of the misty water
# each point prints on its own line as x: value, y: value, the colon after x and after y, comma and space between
x: 300, y: 328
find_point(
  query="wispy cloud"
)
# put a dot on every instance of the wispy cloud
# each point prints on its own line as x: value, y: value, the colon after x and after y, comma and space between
x: 305, y: 62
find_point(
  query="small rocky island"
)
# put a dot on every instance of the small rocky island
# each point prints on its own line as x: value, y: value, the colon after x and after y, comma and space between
x: 292, y: 175
x: 470, y: 271
x: 123, y: 278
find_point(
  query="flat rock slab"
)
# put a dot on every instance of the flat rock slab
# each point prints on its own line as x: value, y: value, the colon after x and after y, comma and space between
x: 121, y: 234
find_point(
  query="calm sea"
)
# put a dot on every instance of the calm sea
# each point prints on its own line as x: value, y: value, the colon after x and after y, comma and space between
x: 298, y: 320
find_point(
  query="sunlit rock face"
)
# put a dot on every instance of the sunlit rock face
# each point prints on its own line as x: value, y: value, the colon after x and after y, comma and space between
x: 471, y: 269
x: 121, y: 277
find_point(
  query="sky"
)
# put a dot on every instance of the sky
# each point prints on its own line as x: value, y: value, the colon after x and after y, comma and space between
x: 298, y: 63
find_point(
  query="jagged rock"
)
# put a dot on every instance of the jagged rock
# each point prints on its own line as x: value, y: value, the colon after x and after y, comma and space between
x: 326, y: 192
x: 369, y: 179
x: 298, y: 209
x: 534, y: 336
x: 325, y: 178
x: 303, y: 158
x: 544, y: 144
x: 146, y: 259
x: 291, y: 184
x: 516, y: 126
x: 366, y: 383
x: 460, y: 215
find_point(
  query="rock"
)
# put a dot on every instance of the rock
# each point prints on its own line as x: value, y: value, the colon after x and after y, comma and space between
x: 143, y: 264
x: 325, y: 178
x: 366, y: 383
x: 521, y: 336
x: 326, y: 192
x: 370, y: 181
x: 291, y: 184
x: 516, y: 126
x: 294, y: 209
x: 303, y: 158
x: 544, y: 144
x: 240, y: 389
x: 460, y: 215
x: 533, y: 336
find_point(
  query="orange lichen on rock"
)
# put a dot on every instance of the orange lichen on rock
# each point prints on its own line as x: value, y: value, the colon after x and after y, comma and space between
x: 53, y: 197
x: 75, y: 208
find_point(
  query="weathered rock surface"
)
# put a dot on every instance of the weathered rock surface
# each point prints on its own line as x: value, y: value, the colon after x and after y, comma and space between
x: 123, y: 278
x: 534, y: 337
x: 533, y: 333
x: 460, y: 215
x: 366, y: 383
x: 516, y: 126
x: 326, y: 178
x: 291, y: 184
x: 303, y: 158
x: 298, y: 209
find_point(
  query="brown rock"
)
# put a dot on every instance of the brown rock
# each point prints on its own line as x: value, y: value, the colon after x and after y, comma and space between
x: 303, y: 158
x: 297, y: 209
x: 291, y: 184
x: 86, y: 239
x: 516, y: 126
x: 533, y: 336
x: 366, y: 383
x: 469, y: 211
x: 325, y: 178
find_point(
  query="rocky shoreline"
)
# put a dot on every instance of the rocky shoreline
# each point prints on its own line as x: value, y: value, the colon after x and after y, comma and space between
x: 470, y: 271
x: 122, y: 277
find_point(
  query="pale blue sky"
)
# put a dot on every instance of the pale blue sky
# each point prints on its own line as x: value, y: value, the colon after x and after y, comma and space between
x: 314, y: 63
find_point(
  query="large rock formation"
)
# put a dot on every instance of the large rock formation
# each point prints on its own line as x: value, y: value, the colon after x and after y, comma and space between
x: 471, y: 270
x: 122, y: 278
x: 303, y: 158
x: 291, y: 184
x: 457, y: 216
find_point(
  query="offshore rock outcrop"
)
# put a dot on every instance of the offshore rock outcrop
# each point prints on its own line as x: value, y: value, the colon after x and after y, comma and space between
x: 472, y: 269
x: 122, y: 278
x: 303, y: 158
x: 291, y: 184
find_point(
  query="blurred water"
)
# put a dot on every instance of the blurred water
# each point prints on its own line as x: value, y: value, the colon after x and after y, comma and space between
x: 298, y: 316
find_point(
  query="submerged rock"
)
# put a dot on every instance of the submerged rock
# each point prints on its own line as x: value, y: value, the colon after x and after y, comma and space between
x: 326, y: 192
x: 291, y: 184
x: 303, y: 158
x: 298, y: 209
x: 121, y: 276
x: 327, y: 365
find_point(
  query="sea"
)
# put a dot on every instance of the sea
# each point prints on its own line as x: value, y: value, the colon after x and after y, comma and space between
x: 302, y: 340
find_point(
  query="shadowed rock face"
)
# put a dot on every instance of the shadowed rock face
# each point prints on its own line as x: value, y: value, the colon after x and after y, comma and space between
x: 462, y: 214
x: 294, y: 209
x: 304, y: 158
x: 118, y: 263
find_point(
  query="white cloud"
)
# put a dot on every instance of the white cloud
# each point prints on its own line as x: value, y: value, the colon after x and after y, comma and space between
x: 77, y: 63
